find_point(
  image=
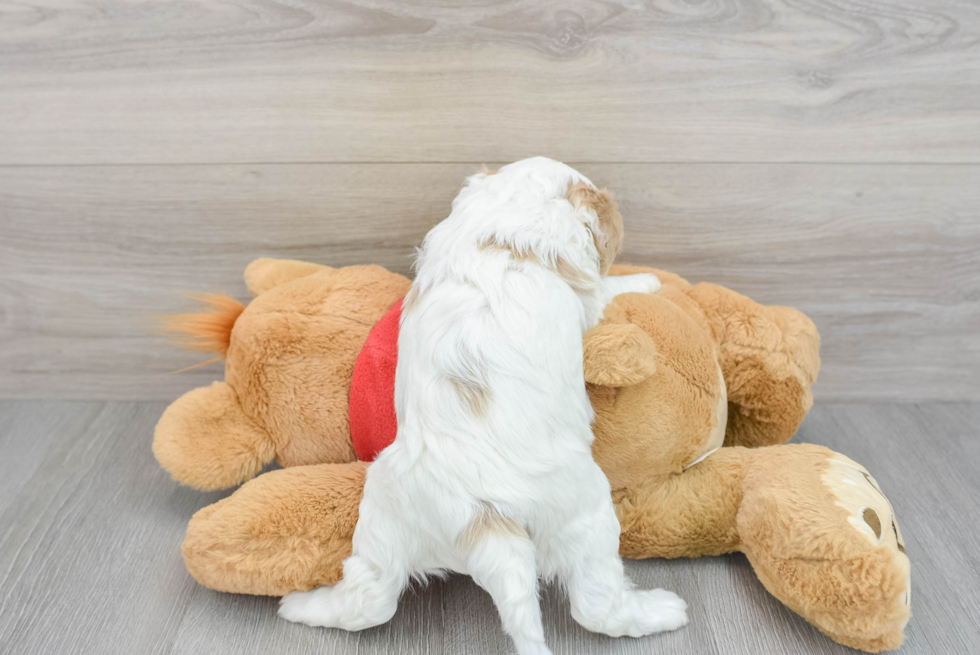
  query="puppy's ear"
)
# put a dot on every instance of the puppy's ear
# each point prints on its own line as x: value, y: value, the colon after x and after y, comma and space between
x: 608, y: 236
x: 618, y: 355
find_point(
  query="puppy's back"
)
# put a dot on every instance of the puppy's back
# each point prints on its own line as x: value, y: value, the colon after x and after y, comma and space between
x: 491, y: 338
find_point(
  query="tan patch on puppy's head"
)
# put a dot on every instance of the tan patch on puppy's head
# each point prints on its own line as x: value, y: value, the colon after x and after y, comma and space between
x: 486, y: 170
x: 488, y: 521
x: 609, y: 237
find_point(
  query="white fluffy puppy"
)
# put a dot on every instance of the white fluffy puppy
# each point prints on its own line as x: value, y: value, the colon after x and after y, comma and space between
x: 491, y: 473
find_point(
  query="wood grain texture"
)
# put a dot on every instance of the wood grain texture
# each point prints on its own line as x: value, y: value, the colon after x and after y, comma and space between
x: 89, y: 544
x: 885, y: 259
x: 28, y: 431
x: 204, y: 81
x: 90, y: 560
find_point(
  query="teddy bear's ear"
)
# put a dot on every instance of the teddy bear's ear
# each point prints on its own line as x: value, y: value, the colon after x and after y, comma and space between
x: 618, y: 355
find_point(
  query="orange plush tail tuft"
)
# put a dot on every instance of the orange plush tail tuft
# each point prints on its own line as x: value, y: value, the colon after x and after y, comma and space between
x: 209, y: 331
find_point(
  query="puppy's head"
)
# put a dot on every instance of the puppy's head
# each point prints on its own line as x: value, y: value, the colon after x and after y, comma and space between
x: 542, y: 181
x: 606, y: 226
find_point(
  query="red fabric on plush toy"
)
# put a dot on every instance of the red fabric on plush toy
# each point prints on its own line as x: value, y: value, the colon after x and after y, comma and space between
x: 373, y: 423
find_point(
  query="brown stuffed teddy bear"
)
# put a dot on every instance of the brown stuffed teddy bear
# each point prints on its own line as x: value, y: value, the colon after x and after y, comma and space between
x: 672, y: 377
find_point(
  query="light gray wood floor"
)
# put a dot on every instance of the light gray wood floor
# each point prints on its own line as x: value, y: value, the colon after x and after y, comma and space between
x: 90, y: 529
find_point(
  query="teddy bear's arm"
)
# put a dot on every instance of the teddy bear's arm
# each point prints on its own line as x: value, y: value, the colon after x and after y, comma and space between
x: 264, y: 274
x: 770, y: 357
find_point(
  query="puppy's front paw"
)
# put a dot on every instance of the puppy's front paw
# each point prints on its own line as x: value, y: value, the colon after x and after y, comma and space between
x: 635, y: 283
x: 647, y: 283
x: 309, y: 607
x: 615, y: 285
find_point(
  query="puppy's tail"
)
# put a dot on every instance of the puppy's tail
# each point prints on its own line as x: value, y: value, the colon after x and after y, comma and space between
x: 208, y: 331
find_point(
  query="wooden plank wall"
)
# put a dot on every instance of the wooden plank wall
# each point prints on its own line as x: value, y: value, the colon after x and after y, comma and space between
x: 823, y: 155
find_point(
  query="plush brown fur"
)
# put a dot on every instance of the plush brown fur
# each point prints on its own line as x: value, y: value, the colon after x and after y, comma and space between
x: 264, y: 274
x: 666, y: 373
x: 618, y: 355
x: 287, y: 529
x: 819, y: 572
x: 287, y: 372
x: 228, y: 446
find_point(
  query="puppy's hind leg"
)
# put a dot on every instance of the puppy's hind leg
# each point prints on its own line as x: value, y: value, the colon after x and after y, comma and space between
x: 364, y: 598
x: 374, y: 577
x: 601, y: 598
x: 501, y: 560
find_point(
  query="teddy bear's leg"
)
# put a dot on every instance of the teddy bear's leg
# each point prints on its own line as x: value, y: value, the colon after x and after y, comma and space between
x: 205, y: 440
x: 284, y: 531
x: 823, y: 539
x: 690, y: 514
x: 769, y: 356
x: 264, y: 274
